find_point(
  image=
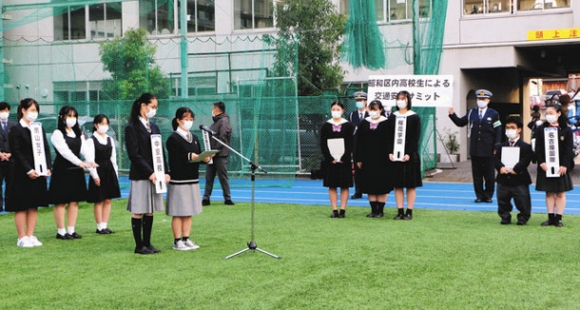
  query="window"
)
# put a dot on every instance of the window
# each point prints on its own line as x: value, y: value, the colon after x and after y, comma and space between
x: 253, y: 14
x: 200, y: 15
x: 70, y: 25
x: 394, y: 10
x: 105, y: 20
x: 471, y: 7
x: 542, y: 4
x: 157, y: 16
x: 400, y: 9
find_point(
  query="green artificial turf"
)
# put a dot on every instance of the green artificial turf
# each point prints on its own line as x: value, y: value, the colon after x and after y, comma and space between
x: 439, y: 260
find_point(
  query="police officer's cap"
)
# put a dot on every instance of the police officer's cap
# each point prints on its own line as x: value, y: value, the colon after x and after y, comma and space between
x: 360, y: 95
x: 483, y: 93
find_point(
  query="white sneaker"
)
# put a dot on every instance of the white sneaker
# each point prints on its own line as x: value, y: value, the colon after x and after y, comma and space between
x: 191, y: 245
x: 35, y: 241
x: 25, y: 242
x: 180, y: 246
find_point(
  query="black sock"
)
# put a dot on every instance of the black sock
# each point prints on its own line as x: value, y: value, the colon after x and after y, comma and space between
x: 551, y: 217
x: 410, y: 212
x: 147, y: 226
x: 342, y: 211
x: 380, y: 207
x: 176, y: 240
x: 401, y: 211
x: 373, y: 207
x: 185, y: 238
x: 136, y: 225
x: 558, y: 217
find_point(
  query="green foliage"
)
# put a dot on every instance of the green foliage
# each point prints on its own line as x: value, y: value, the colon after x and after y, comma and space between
x: 450, y: 140
x: 131, y: 62
x: 318, y: 29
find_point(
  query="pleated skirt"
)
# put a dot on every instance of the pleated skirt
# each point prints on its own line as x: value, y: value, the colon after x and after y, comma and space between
x: 183, y: 199
x: 143, y: 199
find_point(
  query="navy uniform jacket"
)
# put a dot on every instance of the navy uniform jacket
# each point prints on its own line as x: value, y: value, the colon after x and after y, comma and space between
x: 565, y: 146
x: 522, y: 176
x: 485, y: 134
x: 4, y: 145
x: 138, y: 144
x: 355, y: 119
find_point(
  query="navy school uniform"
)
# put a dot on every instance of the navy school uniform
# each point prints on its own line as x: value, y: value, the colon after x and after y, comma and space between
x: 338, y: 174
x: 514, y: 186
x: 372, y: 140
x: 106, y: 171
x: 407, y: 174
x: 6, y: 167
x: 566, y: 152
x: 67, y: 181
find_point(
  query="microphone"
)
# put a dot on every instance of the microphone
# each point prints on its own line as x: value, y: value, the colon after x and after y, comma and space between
x: 205, y: 128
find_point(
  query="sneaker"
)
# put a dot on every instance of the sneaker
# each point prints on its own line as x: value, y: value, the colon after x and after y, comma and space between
x: 180, y: 246
x: 25, y: 242
x: 191, y: 244
x: 35, y: 241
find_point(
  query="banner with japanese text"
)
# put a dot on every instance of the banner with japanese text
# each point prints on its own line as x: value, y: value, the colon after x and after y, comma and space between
x: 425, y: 90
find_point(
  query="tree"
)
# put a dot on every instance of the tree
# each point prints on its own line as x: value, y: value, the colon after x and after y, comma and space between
x: 131, y: 62
x: 318, y: 29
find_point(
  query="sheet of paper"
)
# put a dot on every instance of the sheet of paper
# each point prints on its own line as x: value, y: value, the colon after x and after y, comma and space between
x: 336, y: 148
x: 204, y: 154
x: 510, y: 155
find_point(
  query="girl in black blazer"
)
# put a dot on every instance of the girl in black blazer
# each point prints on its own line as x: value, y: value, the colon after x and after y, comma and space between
x: 28, y: 189
x: 143, y: 198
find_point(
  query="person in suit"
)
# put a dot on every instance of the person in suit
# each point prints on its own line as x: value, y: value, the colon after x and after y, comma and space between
x: 143, y: 198
x: 555, y: 187
x: 338, y: 171
x: 485, y: 135
x: 223, y: 129
x: 355, y: 117
x: 28, y: 190
x: 6, y: 160
x: 514, y: 182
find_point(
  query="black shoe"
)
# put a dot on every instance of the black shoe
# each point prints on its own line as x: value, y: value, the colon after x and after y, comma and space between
x: 547, y: 222
x: 334, y: 214
x: 489, y: 200
x: 108, y: 230
x: 371, y: 215
x: 506, y: 222
x: 379, y: 215
x: 341, y: 214
x: 407, y: 217
x: 356, y: 196
x: 478, y: 200
x: 102, y: 232
x: 64, y: 237
x: 76, y: 236
x: 521, y: 223
x: 205, y: 202
x: 399, y: 217
x: 153, y: 249
x: 143, y: 250
x: 559, y: 223
x: 228, y: 202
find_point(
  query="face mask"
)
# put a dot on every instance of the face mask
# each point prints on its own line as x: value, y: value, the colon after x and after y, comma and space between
x: 360, y: 104
x: 401, y: 104
x: 374, y: 114
x: 4, y: 115
x: 71, y: 121
x: 151, y: 113
x: 212, y: 113
x: 511, y: 133
x: 336, y: 114
x: 187, y: 125
x: 31, y: 116
x: 103, y: 129
x: 551, y: 118
x: 481, y: 104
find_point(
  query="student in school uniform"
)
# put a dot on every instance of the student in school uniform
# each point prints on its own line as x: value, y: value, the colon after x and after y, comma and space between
x: 514, y: 182
x: 104, y: 180
x: 6, y: 160
x: 372, y: 157
x: 338, y: 172
x: 68, y: 184
x: 557, y: 186
x: 143, y: 197
x: 406, y: 174
x: 28, y: 189
x: 183, y: 193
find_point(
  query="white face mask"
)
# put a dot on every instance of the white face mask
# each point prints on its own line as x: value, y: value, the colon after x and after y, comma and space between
x: 360, y: 105
x: 401, y: 104
x: 374, y: 114
x: 336, y: 114
x: 71, y: 122
x: 4, y: 115
x: 511, y: 133
x: 151, y: 113
x: 31, y: 116
x: 103, y: 129
x: 551, y: 118
x: 481, y: 104
x: 187, y: 125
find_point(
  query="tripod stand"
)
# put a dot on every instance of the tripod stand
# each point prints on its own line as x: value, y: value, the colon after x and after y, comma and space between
x: 252, y: 246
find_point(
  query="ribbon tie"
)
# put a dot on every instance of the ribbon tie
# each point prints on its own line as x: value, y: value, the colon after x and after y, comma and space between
x: 336, y: 128
x: 374, y: 126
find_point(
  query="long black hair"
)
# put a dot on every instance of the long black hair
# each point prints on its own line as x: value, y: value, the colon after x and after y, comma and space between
x: 98, y: 119
x: 62, y: 114
x: 25, y: 104
x: 180, y: 114
x: 563, y: 119
x: 136, y: 107
x: 407, y: 95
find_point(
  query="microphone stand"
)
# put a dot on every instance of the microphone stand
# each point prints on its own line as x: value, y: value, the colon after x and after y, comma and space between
x: 252, y: 246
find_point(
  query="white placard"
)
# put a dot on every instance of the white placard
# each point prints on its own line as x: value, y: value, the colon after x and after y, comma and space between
x: 37, y: 139
x: 552, y: 152
x: 158, y: 163
x: 336, y: 148
x: 206, y: 144
x: 510, y: 156
x: 400, y: 136
x: 425, y: 90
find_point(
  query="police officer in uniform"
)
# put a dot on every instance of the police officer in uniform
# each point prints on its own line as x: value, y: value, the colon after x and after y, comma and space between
x: 485, y: 134
x: 355, y: 117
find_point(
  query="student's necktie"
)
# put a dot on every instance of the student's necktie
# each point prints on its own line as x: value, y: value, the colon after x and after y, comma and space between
x: 148, y: 126
x: 512, y: 143
x: 189, y: 137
